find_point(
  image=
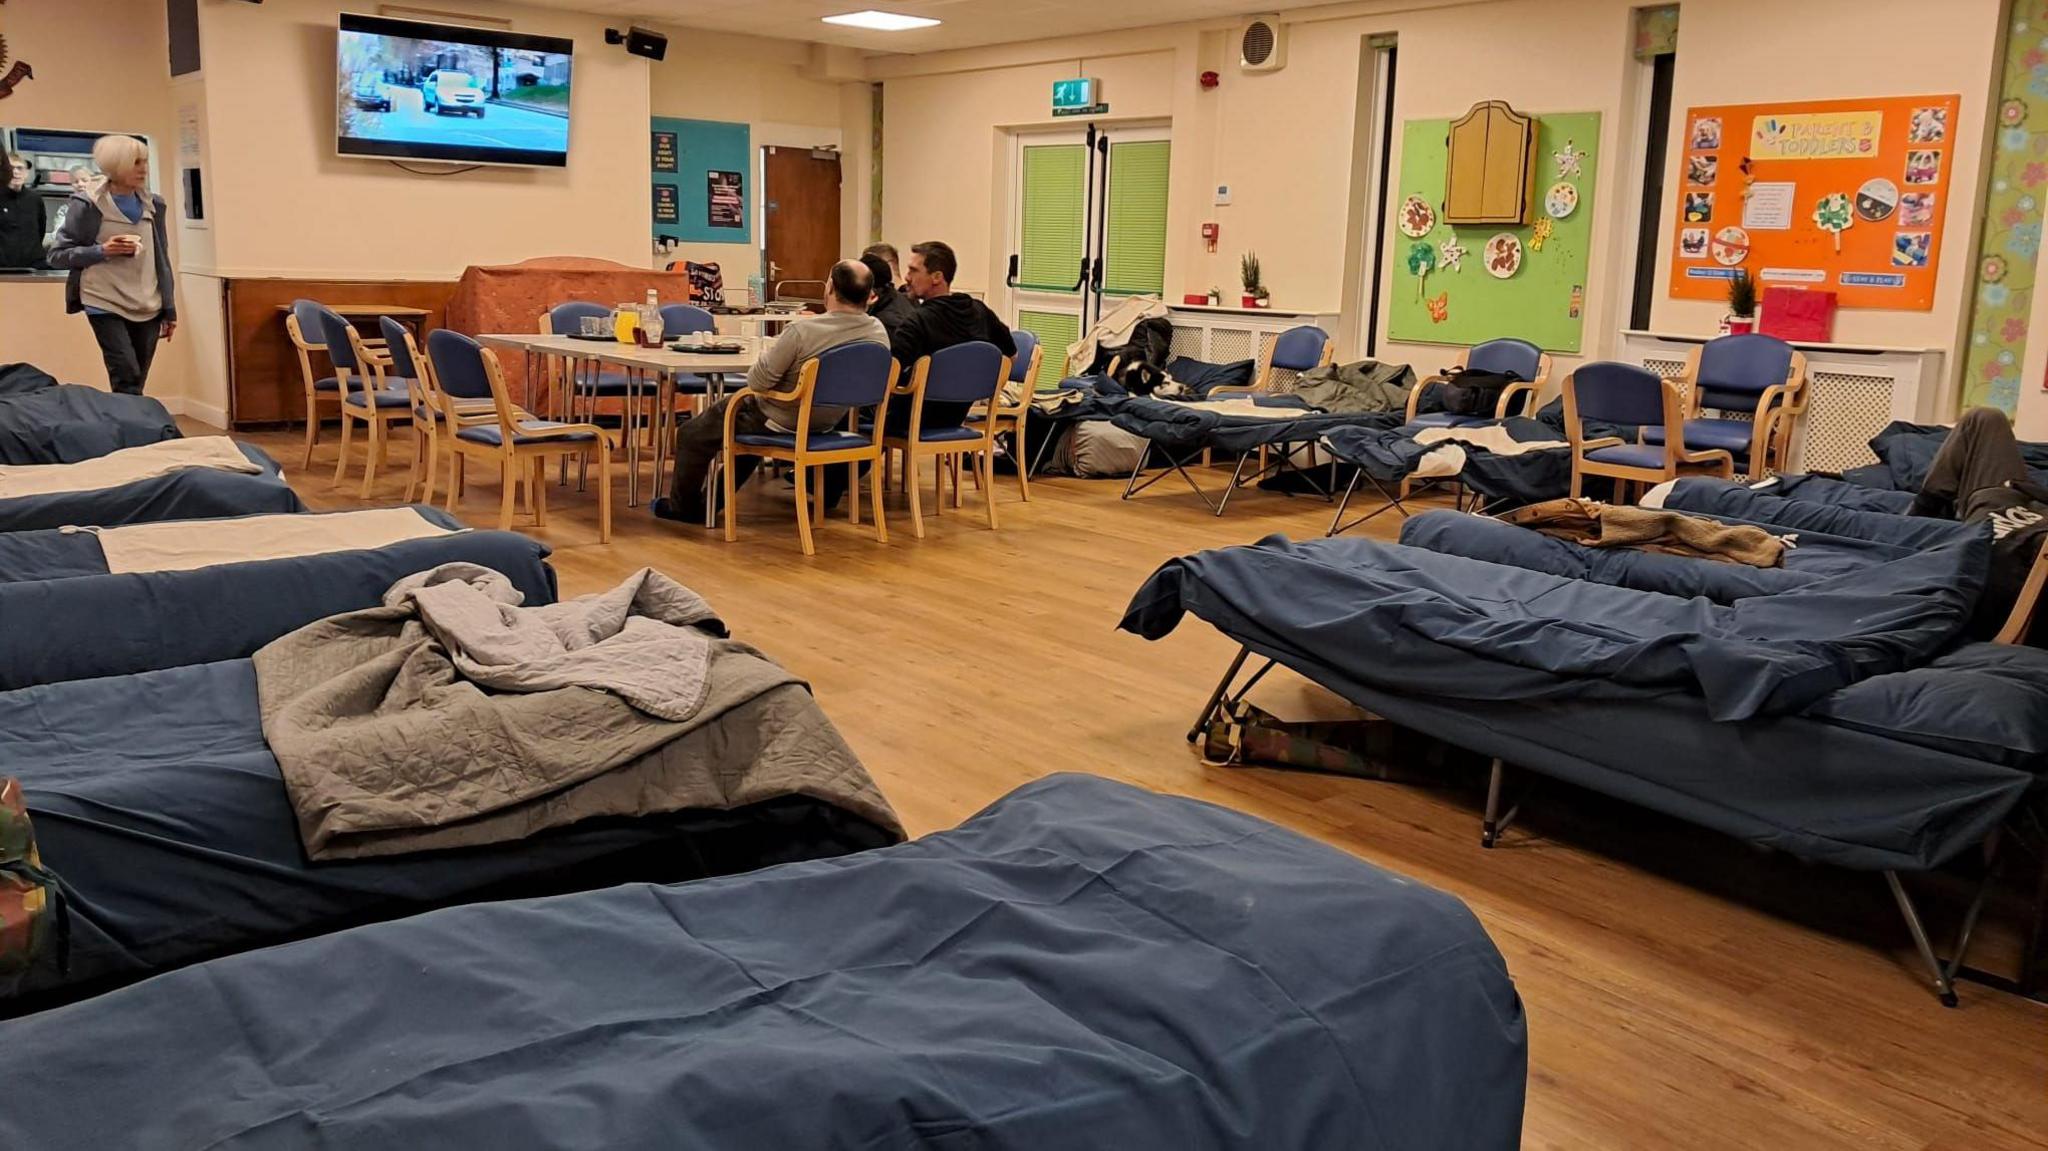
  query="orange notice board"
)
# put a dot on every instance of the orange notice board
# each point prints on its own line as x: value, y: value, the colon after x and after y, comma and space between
x: 1845, y: 195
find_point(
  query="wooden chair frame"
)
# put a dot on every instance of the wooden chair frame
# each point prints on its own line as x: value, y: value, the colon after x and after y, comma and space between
x: 523, y: 461
x: 1776, y: 409
x: 371, y: 363
x: 983, y: 449
x: 1532, y: 388
x: 803, y: 459
x: 1677, y: 461
x: 1010, y: 418
x: 440, y: 410
x: 314, y: 396
x: 2021, y: 620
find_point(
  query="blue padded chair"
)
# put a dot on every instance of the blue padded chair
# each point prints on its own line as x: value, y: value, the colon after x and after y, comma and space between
x: 308, y: 332
x: 686, y: 320
x: 1010, y: 412
x: 970, y: 373
x: 519, y: 444
x: 851, y: 376
x: 1527, y: 362
x: 359, y: 374
x: 589, y: 380
x: 1624, y: 394
x: 1758, y: 374
x: 1295, y: 350
x: 433, y: 413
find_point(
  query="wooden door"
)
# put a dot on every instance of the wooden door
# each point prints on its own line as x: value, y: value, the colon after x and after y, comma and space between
x: 800, y: 202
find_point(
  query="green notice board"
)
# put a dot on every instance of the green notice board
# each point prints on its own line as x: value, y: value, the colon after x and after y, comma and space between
x: 1544, y: 301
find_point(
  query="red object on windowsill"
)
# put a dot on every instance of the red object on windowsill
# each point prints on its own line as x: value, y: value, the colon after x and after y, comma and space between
x: 1798, y: 315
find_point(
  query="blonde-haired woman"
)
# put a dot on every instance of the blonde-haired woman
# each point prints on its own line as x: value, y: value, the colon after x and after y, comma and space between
x: 113, y: 242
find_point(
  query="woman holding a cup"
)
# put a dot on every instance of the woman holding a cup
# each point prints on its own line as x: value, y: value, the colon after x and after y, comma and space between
x: 113, y: 242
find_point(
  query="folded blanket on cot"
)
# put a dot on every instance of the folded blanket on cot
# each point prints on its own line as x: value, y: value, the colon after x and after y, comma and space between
x: 386, y: 747
x: 127, y: 466
x: 636, y: 641
x: 187, y: 545
x: 1598, y: 525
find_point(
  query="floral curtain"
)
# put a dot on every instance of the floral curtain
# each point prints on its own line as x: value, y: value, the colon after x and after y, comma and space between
x: 2002, y: 283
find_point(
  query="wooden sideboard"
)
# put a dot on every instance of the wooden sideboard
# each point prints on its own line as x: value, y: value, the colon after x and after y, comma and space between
x: 264, y: 384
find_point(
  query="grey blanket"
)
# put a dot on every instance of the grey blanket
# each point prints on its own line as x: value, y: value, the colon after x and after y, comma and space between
x: 1363, y: 386
x: 388, y: 747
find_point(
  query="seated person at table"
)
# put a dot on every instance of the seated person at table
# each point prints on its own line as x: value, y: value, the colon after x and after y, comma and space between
x: 944, y: 318
x: 1980, y: 477
x: 890, y: 306
x: 701, y: 438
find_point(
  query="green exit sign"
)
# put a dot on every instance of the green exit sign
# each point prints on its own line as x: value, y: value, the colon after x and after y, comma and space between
x: 1072, y: 95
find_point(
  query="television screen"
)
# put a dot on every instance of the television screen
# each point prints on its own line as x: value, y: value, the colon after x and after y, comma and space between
x: 413, y: 91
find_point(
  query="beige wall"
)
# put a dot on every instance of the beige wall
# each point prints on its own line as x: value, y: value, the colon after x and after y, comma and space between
x: 1283, y: 140
x: 123, y: 84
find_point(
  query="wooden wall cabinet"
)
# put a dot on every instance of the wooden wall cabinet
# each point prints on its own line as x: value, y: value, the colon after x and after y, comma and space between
x: 1491, y: 176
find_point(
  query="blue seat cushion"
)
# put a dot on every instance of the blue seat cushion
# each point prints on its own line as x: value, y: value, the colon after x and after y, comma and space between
x: 692, y: 384
x: 489, y: 434
x: 611, y: 384
x: 388, y: 398
x: 330, y: 384
x: 1728, y: 435
x: 953, y: 435
x: 818, y: 442
x: 1444, y: 420
x: 1630, y: 455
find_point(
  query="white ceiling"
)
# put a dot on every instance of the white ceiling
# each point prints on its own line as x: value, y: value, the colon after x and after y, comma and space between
x: 964, y: 23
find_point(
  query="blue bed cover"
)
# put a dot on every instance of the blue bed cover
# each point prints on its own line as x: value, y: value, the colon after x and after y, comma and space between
x: 1916, y: 753
x: 1182, y: 428
x: 79, y: 626
x: 186, y: 494
x: 1390, y: 455
x: 1081, y: 965
x: 158, y: 805
x: 66, y: 423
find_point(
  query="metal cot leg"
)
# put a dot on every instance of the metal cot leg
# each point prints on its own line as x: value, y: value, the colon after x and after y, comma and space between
x: 1944, y: 988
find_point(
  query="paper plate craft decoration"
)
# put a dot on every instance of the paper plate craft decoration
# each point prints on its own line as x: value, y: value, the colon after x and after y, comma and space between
x: 1439, y: 308
x: 1568, y: 159
x: 1539, y: 233
x: 1421, y: 262
x: 1503, y: 255
x: 1730, y: 247
x: 1418, y: 219
x: 1834, y: 215
x: 1877, y: 199
x: 1561, y: 201
x: 1451, y: 255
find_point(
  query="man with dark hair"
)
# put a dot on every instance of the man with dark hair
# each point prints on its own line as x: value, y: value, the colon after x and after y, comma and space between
x: 702, y: 438
x: 944, y: 318
x: 887, y: 254
x: 1979, y: 476
x: 890, y: 306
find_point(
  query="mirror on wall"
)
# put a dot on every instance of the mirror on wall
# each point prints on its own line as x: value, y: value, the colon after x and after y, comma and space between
x: 42, y: 166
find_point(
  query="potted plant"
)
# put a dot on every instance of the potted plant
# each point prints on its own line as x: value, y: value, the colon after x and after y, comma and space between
x: 1741, y: 316
x: 1255, y: 295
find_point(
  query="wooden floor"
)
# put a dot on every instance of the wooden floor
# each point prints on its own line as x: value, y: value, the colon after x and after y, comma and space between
x: 1682, y: 991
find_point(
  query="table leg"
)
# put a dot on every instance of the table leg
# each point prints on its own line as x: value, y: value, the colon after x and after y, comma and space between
x: 629, y: 421
x: 664, y: 415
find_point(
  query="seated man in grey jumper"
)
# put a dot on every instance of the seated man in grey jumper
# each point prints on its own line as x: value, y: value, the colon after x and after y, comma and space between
x: 700, y: 438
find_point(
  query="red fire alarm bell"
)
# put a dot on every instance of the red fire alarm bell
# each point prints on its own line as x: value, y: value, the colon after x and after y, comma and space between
x: 1209, y: 233
x: 1210, y: 80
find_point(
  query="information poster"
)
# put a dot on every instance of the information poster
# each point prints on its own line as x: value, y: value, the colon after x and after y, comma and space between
x: 665, y: 152
x: 1846, y: 195
x: 724, y: 206
x: 668, y: 206
x: 1466, y: 284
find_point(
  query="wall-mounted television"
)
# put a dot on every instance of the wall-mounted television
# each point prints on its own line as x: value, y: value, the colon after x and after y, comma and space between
x: 406, y: 90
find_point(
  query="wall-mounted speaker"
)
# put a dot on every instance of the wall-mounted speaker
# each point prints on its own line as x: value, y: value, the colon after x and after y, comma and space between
x: 638, y: 41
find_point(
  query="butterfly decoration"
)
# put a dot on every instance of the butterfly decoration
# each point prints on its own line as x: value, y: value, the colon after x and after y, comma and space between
x: 1439, y: 308
x: 1568, y: 159
x: 1450, y: 255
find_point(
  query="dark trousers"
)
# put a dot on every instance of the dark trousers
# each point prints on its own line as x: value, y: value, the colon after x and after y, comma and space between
x: 1980, y: 455
x: 128, y: 346
x: 700, y: 438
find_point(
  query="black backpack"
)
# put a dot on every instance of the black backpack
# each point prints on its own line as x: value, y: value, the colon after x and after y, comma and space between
x: 1465, y: 392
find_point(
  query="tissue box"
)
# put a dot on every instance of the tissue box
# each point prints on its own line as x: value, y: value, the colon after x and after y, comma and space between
x: 1798, y: 315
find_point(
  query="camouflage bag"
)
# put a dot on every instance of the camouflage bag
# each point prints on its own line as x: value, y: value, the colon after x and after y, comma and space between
x: 31, y: 910
x: 1243, y: 735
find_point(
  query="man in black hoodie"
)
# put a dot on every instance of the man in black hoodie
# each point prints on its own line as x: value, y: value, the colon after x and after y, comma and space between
x: 944, y: 318
x: 889, y: 305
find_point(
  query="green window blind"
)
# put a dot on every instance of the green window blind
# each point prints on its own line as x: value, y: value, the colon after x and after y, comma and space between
x: 1134, y: 251
x: 1055, y: 330
x: 1050, y: 252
